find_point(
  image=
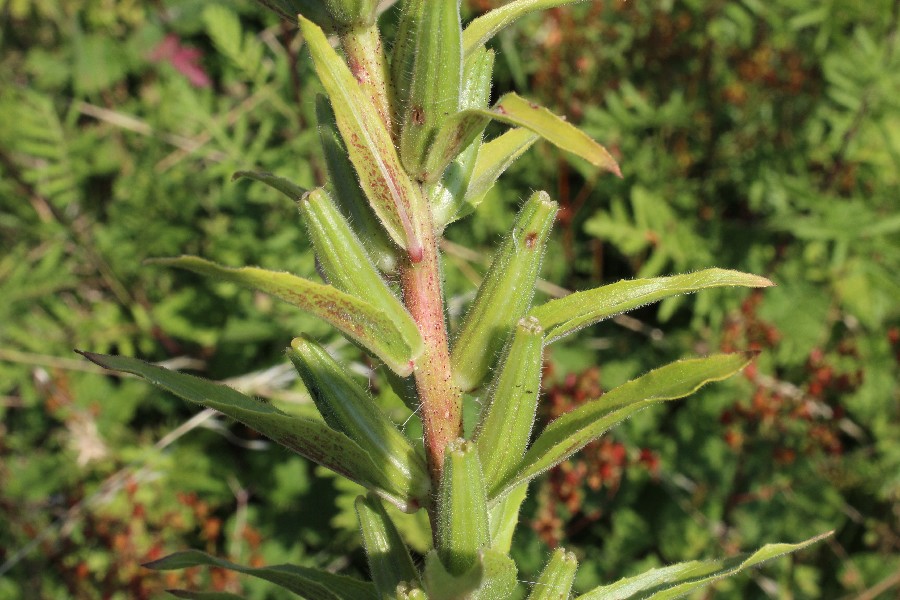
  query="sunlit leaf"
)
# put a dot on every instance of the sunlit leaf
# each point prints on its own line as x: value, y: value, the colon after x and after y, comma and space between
x: 310, y: 438
x: 312, y: 584
x: 361, y: 321
x: 480, y: 30
x: 574, y: 430
x: 563, y: 316
x: 678, y: 580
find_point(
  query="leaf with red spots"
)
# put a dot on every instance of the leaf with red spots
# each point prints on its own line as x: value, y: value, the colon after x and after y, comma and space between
x: 366, y: 324
x: 394, y: 197
x: 310, y: 438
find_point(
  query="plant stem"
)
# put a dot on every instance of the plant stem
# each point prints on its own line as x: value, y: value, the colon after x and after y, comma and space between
x: 367, y: 61
x: 441, y: 404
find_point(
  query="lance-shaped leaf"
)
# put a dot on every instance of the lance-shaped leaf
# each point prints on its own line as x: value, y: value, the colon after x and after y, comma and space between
x: 512, y: 109
x: 504, y: 295
x: 313, y: 10
x: 482, y: 29
x: 491, y: 577
x: 504, y: 430
x: 347, y: 193
x: 391, y: 193
x: 462, y: 520
x: 282, y: 184
x: 574, y: 430
x: 390, y: 564
x: 427, y: 73
x: 494, y: 157
x: 449, y: 191
x: 678, y: 580
x: 503, y: 518
x: 347, y: 266
x: 563, y: 316
x: 309, y: 438
x: 312, y: 584
x: 358, y: 319
x: 348, y: 408
x: 556, y: 579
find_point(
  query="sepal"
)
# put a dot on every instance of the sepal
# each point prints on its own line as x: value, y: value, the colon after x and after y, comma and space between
x: 462, y: 520
x: 348, y: 408
x: 555, y: 581
x: 491, y: 577
x: 504, y: 430
x: 390, y: 564
x: 504, y: 294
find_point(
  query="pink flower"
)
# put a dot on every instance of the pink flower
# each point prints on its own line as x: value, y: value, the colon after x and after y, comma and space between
x: 185, y: 59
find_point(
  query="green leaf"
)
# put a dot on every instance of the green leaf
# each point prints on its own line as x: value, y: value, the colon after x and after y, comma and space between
x: 348, y: 408
x: 462, y: 521
x: 482, y: 29
x: 311, y: 9
x: 503, y: 518
x: 515, y: 110
x: 504, y: 430
x: 391, y: 193
x: 678, y: 580
x: 347, y: 266
x: 389, y: 561
x: 494, y: 157
x: 369, y: 326
x: 312, y: 584
x: 504, y: 295
x: 427, y: 75
x: 555, y: 581
x: 282, y: 184
x: 347, y: 193
x: 492, y: 577
x: 310, y: 438
x: 563, y: 316
x: 574, y: 430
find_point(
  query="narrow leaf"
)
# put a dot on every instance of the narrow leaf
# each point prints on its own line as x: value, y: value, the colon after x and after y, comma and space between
x: 492, y: 577
x: 494, y: 157
x: 283, y: 185
x: 389, y: 561
x: 347, y: 266
x: 482, y: 29
x: 515, y: 110
x: 312, y: 584
x: 348, y: 408
x: 448, y: 193
x: 504, y: 295
x: 358, y: 319
x: 309, y: 438
x: 555, y: 581
x: 679, y: 580
x: 391, y: 193
x: 311, y: 9
x: 462, y: 522
x: 428, y: 89
x: 563, y: 316
x: 504, y: 430
x: 347, y: 193
x: 574, y: 430
x: 504, y: 518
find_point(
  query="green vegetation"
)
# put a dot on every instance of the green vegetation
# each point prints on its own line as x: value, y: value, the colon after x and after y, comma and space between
x: 763, y: 139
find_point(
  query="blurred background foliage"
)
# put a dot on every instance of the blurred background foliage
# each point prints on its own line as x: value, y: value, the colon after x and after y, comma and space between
x: 762, y: 136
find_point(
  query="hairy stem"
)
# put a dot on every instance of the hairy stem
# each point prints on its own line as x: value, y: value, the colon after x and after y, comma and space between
x: 441, y: 405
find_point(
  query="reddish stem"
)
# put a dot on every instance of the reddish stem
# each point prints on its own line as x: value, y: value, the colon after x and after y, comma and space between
x: 441, y: 405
